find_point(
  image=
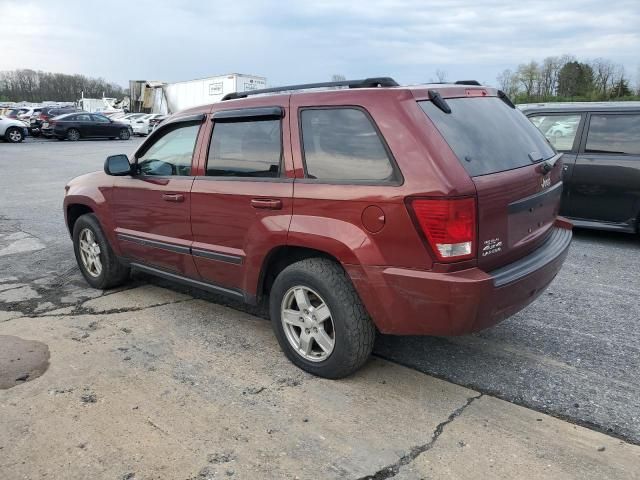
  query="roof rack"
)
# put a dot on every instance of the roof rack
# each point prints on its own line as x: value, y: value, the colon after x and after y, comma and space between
x: 364, y: 83
x: 468, y: 82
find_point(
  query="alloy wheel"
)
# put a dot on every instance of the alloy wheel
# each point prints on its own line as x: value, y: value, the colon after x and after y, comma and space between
x: 15, y: 135
x: 308, y: 324
x: 90, y: 253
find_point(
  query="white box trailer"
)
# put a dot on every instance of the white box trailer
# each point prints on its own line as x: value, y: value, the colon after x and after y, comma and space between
x: 181, y: 95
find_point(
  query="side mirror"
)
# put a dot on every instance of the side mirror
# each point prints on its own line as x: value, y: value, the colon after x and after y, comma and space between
x: 117, y: 165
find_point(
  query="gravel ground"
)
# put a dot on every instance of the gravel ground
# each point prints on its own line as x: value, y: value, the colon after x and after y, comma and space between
x: 574, y: 353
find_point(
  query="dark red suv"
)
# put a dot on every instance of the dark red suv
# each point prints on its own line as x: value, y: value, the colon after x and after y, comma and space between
x: 425, y: 210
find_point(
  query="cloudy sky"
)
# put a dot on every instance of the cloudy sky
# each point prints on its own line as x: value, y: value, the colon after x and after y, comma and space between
x: 306, y: 41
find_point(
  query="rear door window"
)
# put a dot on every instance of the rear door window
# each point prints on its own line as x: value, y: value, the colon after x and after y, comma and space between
x: 342, y: 144
x: 614, y: 134
x: 250, y: 148
x: 487, y: 135
x: 560, y: 130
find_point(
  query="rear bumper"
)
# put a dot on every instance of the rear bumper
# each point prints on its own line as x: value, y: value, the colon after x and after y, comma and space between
x: 414, y: 302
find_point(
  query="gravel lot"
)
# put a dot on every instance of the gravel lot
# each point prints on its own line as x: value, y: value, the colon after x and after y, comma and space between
x: 575, y: 353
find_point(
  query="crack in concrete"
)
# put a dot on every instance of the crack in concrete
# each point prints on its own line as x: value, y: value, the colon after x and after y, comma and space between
x: 81, y: 310
x: 392, y: 470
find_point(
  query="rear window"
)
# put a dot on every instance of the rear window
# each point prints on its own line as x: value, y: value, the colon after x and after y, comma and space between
x: 487, y: 135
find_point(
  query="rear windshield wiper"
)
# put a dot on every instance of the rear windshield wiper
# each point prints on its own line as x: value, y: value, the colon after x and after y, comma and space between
x: 548, y: 164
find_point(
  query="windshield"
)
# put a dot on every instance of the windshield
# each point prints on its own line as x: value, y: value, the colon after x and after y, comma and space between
x: 487, y: 135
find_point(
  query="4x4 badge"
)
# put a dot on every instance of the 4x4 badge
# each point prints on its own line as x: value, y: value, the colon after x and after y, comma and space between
x: 545, y: 182
x: 493, y: 245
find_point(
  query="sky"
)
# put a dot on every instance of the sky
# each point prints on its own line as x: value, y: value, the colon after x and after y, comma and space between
x: 300, y: 42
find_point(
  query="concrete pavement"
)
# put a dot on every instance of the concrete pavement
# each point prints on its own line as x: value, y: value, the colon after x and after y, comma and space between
x: 150, y: 383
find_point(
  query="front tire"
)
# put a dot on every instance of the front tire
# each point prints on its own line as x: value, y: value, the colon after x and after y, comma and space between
x: 97, y: 261
x: 319, y: 319
x: 14, y: 135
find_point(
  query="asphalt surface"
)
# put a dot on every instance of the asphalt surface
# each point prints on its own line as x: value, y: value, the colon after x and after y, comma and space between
x: 574, y: 353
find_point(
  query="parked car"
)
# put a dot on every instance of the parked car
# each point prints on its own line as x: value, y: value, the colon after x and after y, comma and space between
x: 14, y: 113
x: 154, y: 122
x: 141, y: 126
x: 47, y: 113
x: 74, y: 126
x: 426, y: 210
x: 130, y: 117
x: 601, y: 147
x: 12, y: 130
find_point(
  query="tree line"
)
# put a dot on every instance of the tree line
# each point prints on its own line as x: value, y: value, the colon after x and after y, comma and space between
x: 37, y: 86
x: 565, y: 78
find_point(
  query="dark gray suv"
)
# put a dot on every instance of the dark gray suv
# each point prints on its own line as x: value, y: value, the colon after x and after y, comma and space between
x: 601, y: 146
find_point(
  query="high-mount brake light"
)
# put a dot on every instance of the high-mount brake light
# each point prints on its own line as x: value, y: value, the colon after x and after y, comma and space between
x: 475, y: 92
x: 449, y: 226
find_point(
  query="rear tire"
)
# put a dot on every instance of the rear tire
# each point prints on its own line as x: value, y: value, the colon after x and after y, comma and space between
x: 73, y: 134
x: 111, y: 273
x: 14, y: 135
x: 352, y: 332
x: 125, y: 134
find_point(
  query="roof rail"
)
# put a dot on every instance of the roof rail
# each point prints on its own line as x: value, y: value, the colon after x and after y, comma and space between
x: 364, y: 83
x: 468, y: 82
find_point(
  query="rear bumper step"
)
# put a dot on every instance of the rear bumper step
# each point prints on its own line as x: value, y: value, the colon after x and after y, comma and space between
x: 555, y: 245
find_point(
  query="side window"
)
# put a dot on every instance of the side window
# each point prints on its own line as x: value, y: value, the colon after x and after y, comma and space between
x: 245, y: 149
x: 342, y: 144
x: 100, y: 119
x: 82, y: 118
x: 171, y: 154
x: 614, y: 134
x: 560, y: 130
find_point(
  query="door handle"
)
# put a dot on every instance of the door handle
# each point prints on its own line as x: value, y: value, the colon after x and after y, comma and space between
x: 268, y: 203
x: 173, y: 197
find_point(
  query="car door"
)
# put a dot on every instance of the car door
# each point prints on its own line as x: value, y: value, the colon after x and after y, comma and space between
x: 151, y: 209
x: 563, y: 130
x: 102, y: 127
x: 606, y: 174
x: 242, y: 197
x: 85, y: 124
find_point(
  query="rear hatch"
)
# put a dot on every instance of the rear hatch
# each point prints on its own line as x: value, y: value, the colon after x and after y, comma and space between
x: 506, y: 157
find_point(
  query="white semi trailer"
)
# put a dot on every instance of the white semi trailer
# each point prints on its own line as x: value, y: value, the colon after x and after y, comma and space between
x: 181, y: 95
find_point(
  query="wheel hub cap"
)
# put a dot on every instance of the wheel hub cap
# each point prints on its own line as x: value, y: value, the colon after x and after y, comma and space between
x: 308, y: 324
x: 90, y: 253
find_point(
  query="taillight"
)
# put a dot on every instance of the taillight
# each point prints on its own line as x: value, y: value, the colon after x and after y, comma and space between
x: 449, y: 226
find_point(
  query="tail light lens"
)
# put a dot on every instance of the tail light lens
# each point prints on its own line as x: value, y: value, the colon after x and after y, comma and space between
x: 449, y: 226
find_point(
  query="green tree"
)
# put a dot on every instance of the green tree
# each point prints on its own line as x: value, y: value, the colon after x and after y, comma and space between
x: 575, y: 80
x: 621, y: 89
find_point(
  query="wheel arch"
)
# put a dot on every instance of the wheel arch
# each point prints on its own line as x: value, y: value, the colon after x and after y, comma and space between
x: 73, y: 212
x: 280, y: 258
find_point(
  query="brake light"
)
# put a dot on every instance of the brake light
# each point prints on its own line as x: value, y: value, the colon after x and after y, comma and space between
x: 449, y: 226
x: 475, y: 92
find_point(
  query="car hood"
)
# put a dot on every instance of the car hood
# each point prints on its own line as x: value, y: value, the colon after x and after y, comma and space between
x: 91, y: 180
